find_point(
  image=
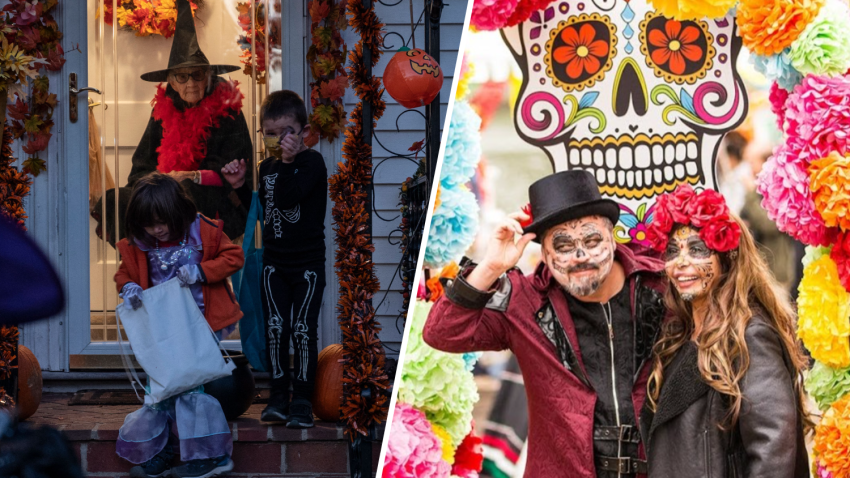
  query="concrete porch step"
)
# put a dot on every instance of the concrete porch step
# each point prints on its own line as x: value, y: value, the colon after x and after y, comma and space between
x: 259, y: 450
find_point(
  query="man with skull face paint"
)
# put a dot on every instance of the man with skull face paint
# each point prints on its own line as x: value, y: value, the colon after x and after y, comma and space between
x: 582, y: 327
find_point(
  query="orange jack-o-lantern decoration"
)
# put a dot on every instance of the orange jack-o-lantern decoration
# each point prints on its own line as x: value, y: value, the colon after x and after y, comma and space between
x: 29, y: 383
x: 413, y: 78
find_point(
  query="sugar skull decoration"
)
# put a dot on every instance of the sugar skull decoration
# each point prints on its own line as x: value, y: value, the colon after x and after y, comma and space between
x: 413, y: 77
x: 638, y: 99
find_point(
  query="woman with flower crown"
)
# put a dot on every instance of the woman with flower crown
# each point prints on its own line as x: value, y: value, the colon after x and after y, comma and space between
x: 725, y: 394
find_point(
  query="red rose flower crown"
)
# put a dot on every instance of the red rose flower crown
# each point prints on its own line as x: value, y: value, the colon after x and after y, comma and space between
x: 705, y: 211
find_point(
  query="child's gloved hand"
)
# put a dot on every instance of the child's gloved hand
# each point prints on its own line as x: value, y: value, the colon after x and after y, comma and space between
x: 132, y: 293
x: 189, y: 274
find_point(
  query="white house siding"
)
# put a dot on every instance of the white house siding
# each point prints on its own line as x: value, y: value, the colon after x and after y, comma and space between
x: 411, y: 129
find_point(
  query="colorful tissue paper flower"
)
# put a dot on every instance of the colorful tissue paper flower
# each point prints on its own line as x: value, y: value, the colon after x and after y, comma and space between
x: 777, y: 97
x: 491, y: 14
x: 466, y: 72
x: 527, y: 210
x: 840, y: 253
x: 446, y: 442
x: 463, y: 146
x: 777, y: 68
x: 469, y: 457
x: 826, y: 385
x: 832, y: 439
x: 822, y: 472
x: 769, y: 26
x: 830, y: 185
x: 823, y: 306
x: 817, y: 117
x: 436, y: 382
x: 413, y: 450
x: 814, y: 253
x: 531, y: 9
x: 784, y: 185
x: 693, y: 9
x: 823, y: 48
x: 471, y: 358
x: 453, y: 227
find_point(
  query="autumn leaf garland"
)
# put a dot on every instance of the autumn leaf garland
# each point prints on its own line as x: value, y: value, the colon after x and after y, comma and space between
x: 326, y: 57
x: 362, y: 349
x: 29, y: 31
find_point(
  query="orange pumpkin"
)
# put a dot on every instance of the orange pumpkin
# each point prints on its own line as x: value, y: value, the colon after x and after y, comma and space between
x: 413, y: 78
x: 29, y: 383
x: 327, y: 395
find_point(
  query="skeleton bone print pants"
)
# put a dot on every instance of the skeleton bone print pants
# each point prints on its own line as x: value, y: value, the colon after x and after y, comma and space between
x: 292, y: 298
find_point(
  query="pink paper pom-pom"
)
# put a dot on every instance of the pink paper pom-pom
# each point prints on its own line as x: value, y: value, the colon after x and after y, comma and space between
x: 778, y: 96
x: 818, y: 114
x: 784, y: 184
x: 413, y: 450
x: 491, y: 14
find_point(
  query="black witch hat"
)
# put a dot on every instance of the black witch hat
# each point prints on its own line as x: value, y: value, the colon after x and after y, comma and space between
x: 185, y: 51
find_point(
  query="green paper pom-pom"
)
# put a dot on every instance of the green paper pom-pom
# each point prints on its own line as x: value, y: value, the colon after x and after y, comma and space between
x: 826, y: 385
x: 823, y: 48
x: 814, y: 253
x: 435, y: 382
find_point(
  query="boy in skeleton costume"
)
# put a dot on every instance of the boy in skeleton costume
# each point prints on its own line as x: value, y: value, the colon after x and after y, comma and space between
x: 293, y: 193
x: 582, y: 327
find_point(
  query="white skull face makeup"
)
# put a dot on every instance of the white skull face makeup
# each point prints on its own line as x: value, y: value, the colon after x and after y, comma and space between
x: 580, y: 254
x: 639, y: 100
x: 691, y: 266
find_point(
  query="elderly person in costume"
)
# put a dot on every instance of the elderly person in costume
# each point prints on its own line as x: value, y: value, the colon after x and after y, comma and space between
x: 196, y: 127
x: 582, y: 327
x: 726, y: 385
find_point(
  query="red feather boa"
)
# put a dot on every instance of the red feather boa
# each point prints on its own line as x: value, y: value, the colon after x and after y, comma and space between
x: 185, y: 133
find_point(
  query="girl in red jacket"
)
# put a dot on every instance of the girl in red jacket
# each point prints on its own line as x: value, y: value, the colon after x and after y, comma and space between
x: 167, y: 239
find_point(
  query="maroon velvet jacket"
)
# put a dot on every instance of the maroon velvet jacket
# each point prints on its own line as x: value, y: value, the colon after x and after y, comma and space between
x: 560, y: 406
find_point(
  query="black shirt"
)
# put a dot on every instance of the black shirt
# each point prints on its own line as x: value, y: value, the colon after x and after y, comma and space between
x: 595, y: 348
x: 294, y: 199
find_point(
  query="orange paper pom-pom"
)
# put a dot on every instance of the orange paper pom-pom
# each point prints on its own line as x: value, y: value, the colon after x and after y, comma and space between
x: 830, y: 185
x: 832, y: 438
x: 769, y: 26
x: 437, y: 200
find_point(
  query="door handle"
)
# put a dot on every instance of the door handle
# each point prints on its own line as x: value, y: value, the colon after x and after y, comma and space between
x: 72, y: 87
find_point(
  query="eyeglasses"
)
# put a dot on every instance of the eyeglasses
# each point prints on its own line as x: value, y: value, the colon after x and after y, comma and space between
x: 197, y: 75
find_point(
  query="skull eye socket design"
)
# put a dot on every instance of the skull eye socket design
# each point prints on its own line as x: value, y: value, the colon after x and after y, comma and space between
x: 580, y: 51
x: 678, y: 51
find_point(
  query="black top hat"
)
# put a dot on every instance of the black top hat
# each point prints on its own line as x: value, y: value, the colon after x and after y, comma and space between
x: 185, y: 51
x: 565, y: 196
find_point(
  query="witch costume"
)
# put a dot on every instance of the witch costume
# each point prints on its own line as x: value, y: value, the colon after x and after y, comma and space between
x: 204, y: 137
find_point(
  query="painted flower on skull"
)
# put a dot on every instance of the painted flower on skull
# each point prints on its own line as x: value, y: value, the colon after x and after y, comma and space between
x: 582, y: 53
x: 675, y: 45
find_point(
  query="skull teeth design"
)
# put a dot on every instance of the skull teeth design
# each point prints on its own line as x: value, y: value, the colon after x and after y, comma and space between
x: 639, y: 166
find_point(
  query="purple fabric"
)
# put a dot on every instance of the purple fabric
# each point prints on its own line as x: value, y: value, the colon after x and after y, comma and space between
x: 192, y: 255
x: 195, y: 418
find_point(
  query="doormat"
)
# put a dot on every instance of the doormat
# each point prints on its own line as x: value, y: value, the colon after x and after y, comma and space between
x: 128, y: 397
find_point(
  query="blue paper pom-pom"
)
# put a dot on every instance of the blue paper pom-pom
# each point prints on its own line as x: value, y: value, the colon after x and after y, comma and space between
x: 470, y: 359
x: 777, y: 68
x: 453, y: 227
x: 463, y: 146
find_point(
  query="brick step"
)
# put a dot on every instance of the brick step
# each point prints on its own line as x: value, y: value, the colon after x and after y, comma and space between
x: 259, y: 450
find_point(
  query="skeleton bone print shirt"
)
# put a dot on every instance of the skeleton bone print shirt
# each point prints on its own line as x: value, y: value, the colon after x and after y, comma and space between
x: 294, y: 198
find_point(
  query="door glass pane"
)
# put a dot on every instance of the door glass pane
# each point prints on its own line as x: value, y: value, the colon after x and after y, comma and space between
x: 117, y: 56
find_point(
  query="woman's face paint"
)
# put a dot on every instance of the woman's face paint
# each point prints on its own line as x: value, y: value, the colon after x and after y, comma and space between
x: 580, y: 254
x: 691, y: 266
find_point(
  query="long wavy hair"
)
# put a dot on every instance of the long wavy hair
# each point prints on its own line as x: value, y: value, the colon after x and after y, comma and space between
x: 745, y: 283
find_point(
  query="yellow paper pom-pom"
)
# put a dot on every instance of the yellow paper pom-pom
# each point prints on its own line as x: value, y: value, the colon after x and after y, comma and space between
x: 832, y: 439
x: 769, y: 26
x: 466, y: 72
x: 823, y: 307
x: 830, y: 185
x: 693, y: 9
x: 446, y: 440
